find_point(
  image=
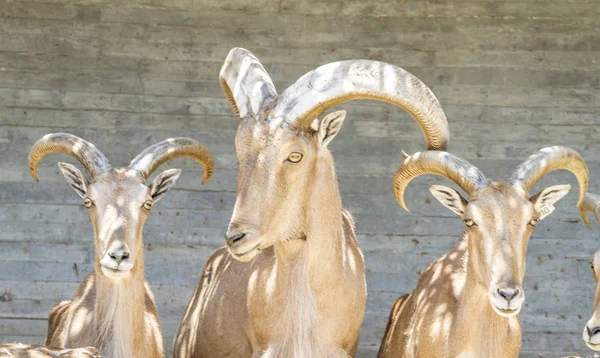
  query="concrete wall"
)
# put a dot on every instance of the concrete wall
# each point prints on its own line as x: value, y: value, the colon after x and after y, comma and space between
x: 513, y: 77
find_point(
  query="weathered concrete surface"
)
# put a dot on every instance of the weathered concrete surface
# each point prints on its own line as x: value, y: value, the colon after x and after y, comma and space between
x: 513, y: 76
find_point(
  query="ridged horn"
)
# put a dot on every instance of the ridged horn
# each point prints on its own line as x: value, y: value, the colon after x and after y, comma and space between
x: 246, y: 83
x: 160, y: 153
x: 463, y: 173
x: 550, y: 159
x: 343, y: 81
x: 85, y: 152
x: 590, y: 203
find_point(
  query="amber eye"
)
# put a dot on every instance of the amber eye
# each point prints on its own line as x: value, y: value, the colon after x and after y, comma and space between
x: 295, y: 157
x: 148, y: 204
x: 532, y: 222
x: 470, y: 223
x: 88, y: 202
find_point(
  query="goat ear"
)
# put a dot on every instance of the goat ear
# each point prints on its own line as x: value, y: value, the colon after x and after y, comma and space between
x: 163, y: 182
x: 75, y: 178
x: 543, y: 202
x: 450, y: 198
x: 329, y: 127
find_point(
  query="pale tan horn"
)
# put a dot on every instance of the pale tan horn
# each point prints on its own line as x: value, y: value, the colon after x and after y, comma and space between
x: 246, y: 83
x: 85, y: 152
x: 463, y: 173
x: 343, y: 81
x: 547, y: 160
x: 158, y: 154
x: 590, y: 203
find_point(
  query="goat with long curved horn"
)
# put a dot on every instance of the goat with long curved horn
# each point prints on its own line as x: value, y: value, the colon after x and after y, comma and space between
x: 478, y: 284
x: 246, y: 84
x: 463, y: 173
x: 85, y: 152
x: 156, y: 155
x: 339, y: 82
x: 547, y: 160
x: 113, y: 309
x: 250, y: 91
x: 288, y: 216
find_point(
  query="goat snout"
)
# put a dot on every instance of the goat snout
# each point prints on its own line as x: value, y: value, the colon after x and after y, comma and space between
x: 592, y: 331
x: 117, y: 260
x: 591, y: 334
x: 508, y: 293
x: 233, y: 238
x: 119, y: 254
x: 243, y: 245
x: 507, y: 300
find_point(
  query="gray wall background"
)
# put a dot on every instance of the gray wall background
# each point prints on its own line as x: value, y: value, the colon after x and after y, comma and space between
x: 513, y: 77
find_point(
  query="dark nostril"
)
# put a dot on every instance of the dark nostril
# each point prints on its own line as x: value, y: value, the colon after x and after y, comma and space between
x: 119, y: 256
x: 593, y: 331
x: 234, y: 238
x: 508, y: 293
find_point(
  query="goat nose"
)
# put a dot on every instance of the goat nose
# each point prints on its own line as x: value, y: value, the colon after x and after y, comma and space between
x: 508, y: 293
x: 234, y: 238
x: 119, y: 255
x: 593, y: 331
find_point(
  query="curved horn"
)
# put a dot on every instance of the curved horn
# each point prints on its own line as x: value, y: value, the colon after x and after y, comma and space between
x: 463, y: 173
x: 85, y: 152
x: 590, y: 203
x: 547, y: 160
x: 160, y: 153
x: 246, y: 84
x: 343, y: 81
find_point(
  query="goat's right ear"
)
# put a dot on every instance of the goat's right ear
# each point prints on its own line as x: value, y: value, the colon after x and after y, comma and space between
x: 75, y: 178
x: 450, y: 198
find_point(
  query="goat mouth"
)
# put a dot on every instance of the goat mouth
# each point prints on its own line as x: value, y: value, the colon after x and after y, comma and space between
x: 246, y: 255
x: 506, y: 312
x: 592, y: 346
x: 114, y: 273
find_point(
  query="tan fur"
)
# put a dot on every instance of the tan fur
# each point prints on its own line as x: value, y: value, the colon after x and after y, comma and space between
x: 449, y: 314
x: 304, y: 293
x: 18, y: 350
x: 116, y: 315
x: 591, y: 203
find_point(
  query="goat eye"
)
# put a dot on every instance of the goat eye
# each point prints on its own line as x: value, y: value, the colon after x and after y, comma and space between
x: 532, y: 222
x: 592, y: 266
x: 470, y: 223
x: 88, y: 202
x: 295, y: 157
x: 148, y: 204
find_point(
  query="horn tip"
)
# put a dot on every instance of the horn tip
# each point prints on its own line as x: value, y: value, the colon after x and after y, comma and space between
x: 585, y: 217
x: 404, y: 154
x: 207, y: 176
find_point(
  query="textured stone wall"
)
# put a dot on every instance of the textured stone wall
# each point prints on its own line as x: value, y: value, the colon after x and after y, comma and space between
x: 513, y: 77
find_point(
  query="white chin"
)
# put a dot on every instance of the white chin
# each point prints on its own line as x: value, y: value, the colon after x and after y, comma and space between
x: 246, y: 256
x: 506, y: 312
x: 115, y: 274
x: 595, y: 347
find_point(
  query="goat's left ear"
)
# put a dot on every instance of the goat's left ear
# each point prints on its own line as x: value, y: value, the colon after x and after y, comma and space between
x: 329, y: 127
x: 543, y: 202
x: 450, y: 198
x: 75, y: 178
x: 163, y: 182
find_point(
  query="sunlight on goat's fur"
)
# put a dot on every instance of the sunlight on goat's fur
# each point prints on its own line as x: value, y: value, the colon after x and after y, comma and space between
x: 113, y: 309
x: 466, y: 303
